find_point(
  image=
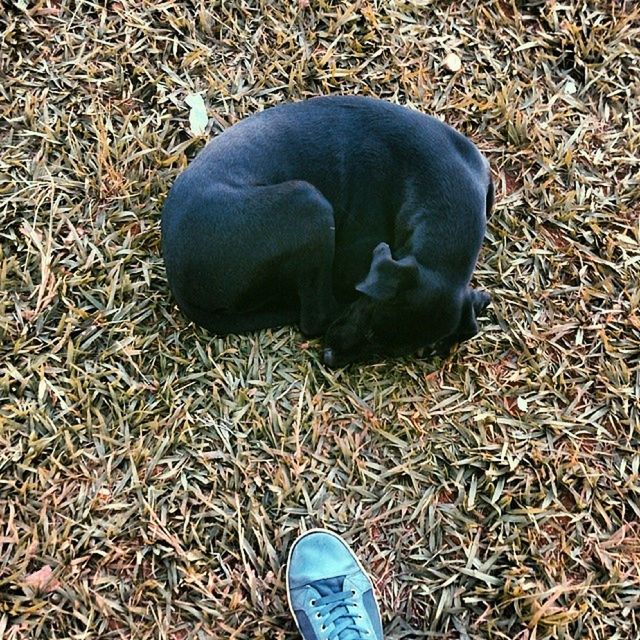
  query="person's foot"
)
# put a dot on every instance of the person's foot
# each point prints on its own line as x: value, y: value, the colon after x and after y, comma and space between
x: 330, y: 595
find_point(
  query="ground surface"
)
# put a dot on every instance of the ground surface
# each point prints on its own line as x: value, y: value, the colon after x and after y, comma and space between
x: 160, y: 474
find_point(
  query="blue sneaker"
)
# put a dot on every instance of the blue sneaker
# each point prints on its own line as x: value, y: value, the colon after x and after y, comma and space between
x: 330, y: 595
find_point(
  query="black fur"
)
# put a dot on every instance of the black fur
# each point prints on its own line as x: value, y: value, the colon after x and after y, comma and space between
x: 352, y: 217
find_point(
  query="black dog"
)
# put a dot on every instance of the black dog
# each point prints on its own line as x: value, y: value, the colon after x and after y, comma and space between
x: 350, y: 216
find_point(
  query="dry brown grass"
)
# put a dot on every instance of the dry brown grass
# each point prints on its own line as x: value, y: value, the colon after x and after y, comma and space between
x: 161, y: 473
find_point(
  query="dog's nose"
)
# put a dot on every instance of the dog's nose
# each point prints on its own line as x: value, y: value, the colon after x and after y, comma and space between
x: 328, y: 357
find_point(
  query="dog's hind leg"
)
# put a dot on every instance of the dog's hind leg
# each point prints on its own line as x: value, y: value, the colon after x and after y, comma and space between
x: 246, y: 257
x: 302, y: 220
x: 318, y: 305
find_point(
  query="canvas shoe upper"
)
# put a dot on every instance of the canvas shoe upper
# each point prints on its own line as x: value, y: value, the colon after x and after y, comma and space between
x: 330, y: 595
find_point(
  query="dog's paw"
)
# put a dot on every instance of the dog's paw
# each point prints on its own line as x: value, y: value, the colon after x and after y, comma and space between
x: 481, y: 300
x: 441, y: 349
x: 329, y: 357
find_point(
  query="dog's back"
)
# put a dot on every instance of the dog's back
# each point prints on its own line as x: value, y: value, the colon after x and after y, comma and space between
x: 324, y: 140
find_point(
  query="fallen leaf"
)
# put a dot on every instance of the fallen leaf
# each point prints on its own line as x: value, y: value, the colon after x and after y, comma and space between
x: 522, y: 404
x: 198, y: 117
x: 27, y: 314
x: 42, y: 580
x: 453, y: 62
x: 570, y: 87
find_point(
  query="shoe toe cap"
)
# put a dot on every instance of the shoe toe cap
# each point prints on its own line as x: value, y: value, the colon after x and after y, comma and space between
x: 318, y: 556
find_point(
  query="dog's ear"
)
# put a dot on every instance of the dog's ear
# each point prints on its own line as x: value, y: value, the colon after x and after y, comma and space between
x: 387, y: 277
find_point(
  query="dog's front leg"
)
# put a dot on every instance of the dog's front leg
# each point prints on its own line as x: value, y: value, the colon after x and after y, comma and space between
x: 475, y: 303
x: 318, y: 306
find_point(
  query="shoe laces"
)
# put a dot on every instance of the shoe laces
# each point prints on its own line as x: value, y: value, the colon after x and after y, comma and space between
x: 333, y: 608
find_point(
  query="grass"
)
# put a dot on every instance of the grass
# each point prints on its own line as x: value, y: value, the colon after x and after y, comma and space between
x: 153, y: 477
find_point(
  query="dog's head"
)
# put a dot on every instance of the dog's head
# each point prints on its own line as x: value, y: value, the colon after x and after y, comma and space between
x: 402, y: 308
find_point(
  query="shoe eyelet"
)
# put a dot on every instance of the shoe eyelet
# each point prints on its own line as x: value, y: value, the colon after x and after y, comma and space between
x: 318, y: 616
x: 312, y: 603
x: 353, y: 592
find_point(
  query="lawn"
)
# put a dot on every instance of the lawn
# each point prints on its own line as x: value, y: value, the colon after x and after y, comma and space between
x: 153, y: 476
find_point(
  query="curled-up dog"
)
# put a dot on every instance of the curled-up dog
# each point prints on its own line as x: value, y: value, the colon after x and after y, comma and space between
x: 352, y: 217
